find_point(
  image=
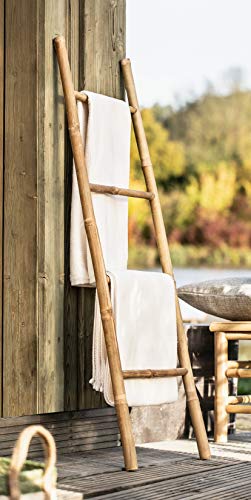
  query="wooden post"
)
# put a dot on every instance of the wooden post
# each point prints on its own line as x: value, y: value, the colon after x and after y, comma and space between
x: 97, y: 259
x: 192, y: 398
x: 221, y: 387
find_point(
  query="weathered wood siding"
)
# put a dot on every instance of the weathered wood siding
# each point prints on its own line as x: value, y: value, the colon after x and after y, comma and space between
x: 74, y: 432
x: 20, y: 344
x: 47, y: 325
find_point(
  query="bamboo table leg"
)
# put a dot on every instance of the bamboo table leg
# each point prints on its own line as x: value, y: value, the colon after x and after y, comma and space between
x: 221, y: 388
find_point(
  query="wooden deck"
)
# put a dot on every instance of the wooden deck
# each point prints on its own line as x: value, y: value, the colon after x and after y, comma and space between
x: 90, y: 464
x: 173, y: 473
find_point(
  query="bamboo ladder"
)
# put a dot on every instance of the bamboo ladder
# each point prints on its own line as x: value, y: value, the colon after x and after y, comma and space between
x: 85, y: 188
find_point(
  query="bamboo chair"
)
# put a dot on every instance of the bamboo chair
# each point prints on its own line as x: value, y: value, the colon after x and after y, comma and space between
x: 151, y: 194
x: 225, y: 369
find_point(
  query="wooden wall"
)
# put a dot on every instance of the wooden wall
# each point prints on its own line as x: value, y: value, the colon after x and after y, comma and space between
x: 47, y: 325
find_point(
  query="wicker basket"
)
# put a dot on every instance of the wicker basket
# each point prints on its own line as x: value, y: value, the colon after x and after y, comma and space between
x: 26, y: 479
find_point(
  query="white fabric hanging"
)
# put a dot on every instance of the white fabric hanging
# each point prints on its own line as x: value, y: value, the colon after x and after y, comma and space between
x: 105, y: 125
x: 143, y: 302
x: 144, y: 310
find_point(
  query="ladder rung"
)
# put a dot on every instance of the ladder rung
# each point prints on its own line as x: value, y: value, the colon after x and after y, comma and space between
x: 231, y: 326
x: 238, y: 373
x: 102, y: 189
x: 245, y: 409
x: 235, y: 400
x: 83, y: 98
x: 239, y: 364
x: 238, y: 336
x: 172, y: 372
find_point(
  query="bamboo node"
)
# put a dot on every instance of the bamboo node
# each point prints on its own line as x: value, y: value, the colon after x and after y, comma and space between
x: 106, y: 313
x: 146, y: 166
x: 120, y: 400
x: 191, y: 396
x: 133, y: 110
x: 146, y: 162
x: 74, y: 129
x: 89, y: 222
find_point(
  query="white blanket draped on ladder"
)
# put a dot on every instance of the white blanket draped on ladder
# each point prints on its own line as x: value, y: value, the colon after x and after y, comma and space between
x: 143, y: 302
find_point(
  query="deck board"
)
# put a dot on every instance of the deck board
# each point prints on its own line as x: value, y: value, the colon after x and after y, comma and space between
x: 162, y: 475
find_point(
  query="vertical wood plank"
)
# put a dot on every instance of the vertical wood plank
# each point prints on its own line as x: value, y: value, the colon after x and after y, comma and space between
x: 1, y: 179
x: 51, y: 165
x: 20, y: 215
x: 71, y: 293
x: 87, y: 398
x: 102, y: 46
x: 57, y: 300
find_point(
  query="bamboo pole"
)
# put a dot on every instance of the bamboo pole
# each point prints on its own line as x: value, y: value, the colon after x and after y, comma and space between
x: 235, y: 400
x: 116, y: 191
x: 233, y: 326
x: 239, y: 409
x: 192, y: 398
x: 238, y: 373
x: 239, y: 364
x: 221, y: 387
x: 97, y: 259
x: 172, y: 372
x: 238, y: 336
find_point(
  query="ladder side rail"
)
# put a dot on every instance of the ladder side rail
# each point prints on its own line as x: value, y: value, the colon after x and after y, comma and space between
x: 121, y: 405
x: 165, y: 259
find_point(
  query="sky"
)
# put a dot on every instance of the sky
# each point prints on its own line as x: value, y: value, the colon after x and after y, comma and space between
x: 177, y: 46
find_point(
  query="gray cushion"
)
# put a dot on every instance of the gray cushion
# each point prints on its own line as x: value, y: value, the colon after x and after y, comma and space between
x: 228, y: 298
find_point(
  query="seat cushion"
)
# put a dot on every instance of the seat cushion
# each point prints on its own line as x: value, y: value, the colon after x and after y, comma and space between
x: 228, y: 298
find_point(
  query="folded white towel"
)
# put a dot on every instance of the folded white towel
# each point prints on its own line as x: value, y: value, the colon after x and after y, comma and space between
x: 144, y: 310
x: 105, y: 125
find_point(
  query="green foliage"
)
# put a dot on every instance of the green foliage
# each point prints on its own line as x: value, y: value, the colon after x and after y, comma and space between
x: 202, y: 161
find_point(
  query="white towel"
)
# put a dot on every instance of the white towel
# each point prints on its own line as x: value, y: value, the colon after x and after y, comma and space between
x: 145, y: 319
x: 105, y: 125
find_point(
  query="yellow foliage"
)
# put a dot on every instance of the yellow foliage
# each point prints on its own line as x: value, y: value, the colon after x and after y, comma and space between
x: 217, y: 190
x: 167, y: 156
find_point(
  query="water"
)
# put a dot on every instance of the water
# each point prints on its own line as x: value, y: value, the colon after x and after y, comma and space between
x: 185, y: 276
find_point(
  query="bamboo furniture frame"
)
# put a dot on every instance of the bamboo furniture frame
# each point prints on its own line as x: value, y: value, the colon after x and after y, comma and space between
x: 151, y: 194
x: 225, y: 369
